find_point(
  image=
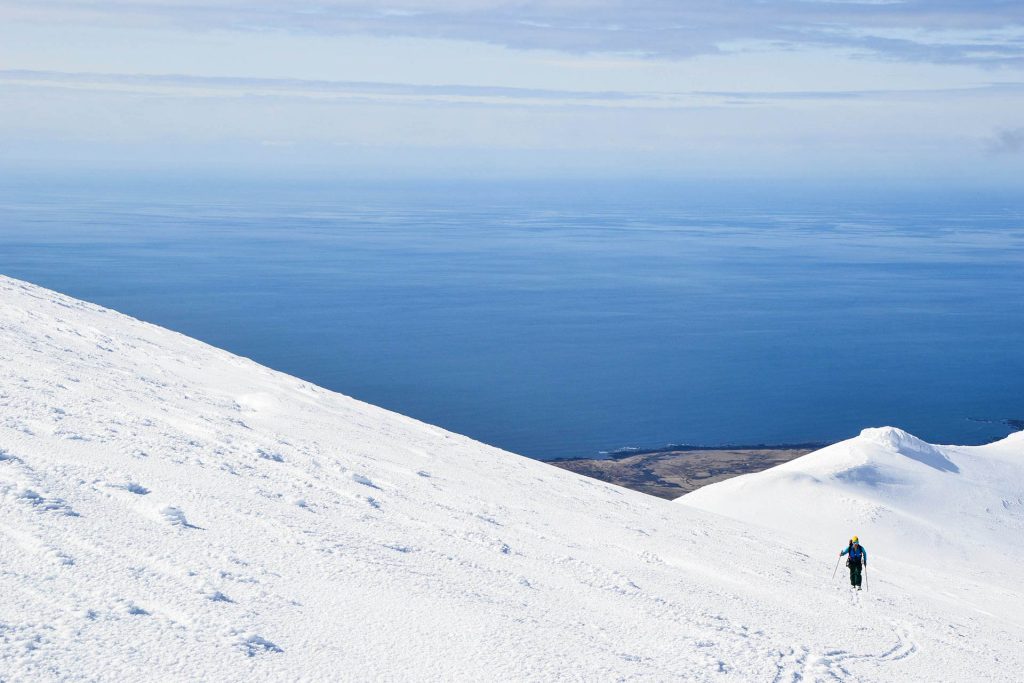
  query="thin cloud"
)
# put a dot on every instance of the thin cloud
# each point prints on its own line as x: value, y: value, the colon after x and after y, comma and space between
x: 193, y: 87
x: 186, y: 86
x: 942, y: 31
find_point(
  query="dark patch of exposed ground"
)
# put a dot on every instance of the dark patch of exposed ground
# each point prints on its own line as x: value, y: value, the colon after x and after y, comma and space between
x: 670, y: 474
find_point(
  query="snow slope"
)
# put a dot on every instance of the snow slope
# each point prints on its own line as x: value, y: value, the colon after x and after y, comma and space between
x: 955, y: 511
x: 169, y: 511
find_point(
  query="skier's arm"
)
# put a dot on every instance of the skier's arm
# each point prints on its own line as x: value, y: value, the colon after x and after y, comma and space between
x: 865, y: 555
x: 843, y: 551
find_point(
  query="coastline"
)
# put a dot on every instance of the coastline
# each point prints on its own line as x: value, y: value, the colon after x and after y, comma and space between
x: 674, y: 471
x: 677, y: 469
x: 623, y: 453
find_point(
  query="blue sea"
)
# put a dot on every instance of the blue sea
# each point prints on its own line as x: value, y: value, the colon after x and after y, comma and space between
x: 569, y: 319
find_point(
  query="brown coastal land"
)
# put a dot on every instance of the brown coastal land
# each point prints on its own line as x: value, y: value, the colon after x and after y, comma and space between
x: 673, y: 473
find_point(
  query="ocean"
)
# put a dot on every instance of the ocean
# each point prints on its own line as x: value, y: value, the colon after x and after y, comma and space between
x: 569, y: 319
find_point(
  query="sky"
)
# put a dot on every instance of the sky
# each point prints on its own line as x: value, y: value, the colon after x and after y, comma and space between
x: 889, y: 90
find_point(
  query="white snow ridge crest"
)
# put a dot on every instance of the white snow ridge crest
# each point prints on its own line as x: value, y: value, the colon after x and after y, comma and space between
x: 169, y: 511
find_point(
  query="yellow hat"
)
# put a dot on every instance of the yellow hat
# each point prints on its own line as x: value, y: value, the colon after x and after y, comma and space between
x: 855, y: 539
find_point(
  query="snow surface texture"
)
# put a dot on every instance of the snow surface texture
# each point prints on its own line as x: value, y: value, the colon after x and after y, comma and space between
x: 169, y: 511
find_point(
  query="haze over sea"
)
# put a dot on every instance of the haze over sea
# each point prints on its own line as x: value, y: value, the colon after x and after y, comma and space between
x: 566, y: 319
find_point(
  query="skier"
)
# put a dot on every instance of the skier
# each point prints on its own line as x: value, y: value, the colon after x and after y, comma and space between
x: 857, y: 555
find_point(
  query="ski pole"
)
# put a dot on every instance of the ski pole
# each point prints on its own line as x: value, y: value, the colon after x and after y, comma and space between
x: 865, y: 576
x: 837, y: 568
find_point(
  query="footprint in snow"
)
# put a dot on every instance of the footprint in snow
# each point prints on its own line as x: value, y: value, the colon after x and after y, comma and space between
x: 175, y: 517
x: 364, y: 480
x: 252, y: 645
x: 130, y: 487
x: 400, y: 547
x: 43, y: 503
x: 273, y: 456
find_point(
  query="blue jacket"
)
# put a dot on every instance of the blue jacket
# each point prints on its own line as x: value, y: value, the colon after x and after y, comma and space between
x: 857, y: 552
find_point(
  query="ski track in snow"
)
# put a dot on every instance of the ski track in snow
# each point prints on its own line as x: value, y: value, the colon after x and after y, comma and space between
x: 171, y: 512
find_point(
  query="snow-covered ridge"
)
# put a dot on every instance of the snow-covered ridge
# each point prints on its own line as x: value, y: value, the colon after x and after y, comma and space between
x: 955, y: 506
x: 169, y: 511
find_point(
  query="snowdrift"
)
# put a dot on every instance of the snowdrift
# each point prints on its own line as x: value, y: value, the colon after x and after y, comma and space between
x: 169, y: 511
